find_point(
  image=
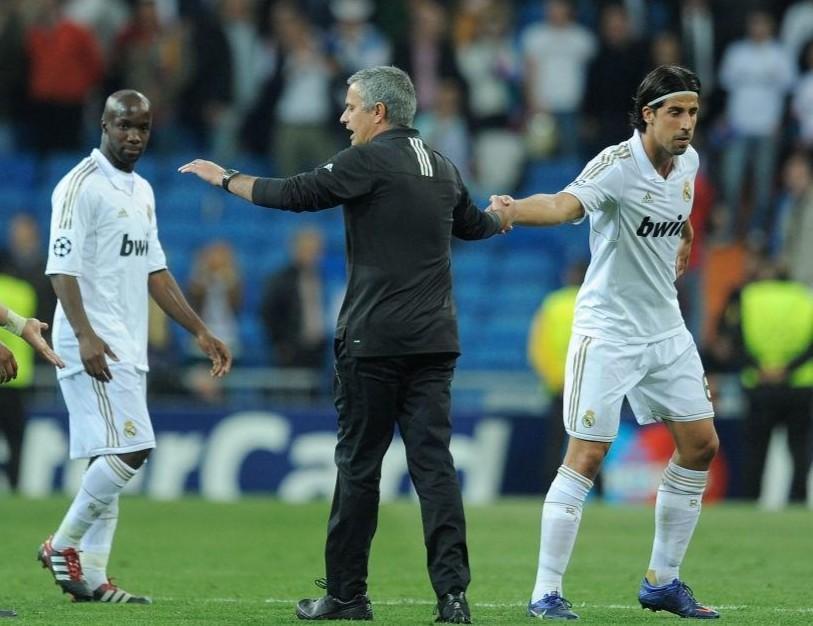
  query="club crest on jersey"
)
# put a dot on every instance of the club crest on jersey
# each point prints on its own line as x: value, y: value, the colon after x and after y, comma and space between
x: 589, y: 419
x: 129, y: 429
x: 687, y: 191
x: 62, y: 246
x: 138, y: 247
x: 648, y: 228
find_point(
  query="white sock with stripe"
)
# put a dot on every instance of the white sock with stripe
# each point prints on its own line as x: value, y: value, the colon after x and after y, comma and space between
x: 97, y: 543
x: 677, y: 509
x: 561, y: 515
x: 102, y: 482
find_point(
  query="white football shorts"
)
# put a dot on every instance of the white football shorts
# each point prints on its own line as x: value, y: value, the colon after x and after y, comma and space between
x: 663, y: 382
x: 108, y: 418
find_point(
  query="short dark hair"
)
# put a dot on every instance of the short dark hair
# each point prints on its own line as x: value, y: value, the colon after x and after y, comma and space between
x: 663, y: 80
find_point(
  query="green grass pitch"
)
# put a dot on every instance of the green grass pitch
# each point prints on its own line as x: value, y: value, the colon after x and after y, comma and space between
x: 248, y: 562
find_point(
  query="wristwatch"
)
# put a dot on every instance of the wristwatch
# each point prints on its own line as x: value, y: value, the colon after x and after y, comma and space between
x: 227, y: 176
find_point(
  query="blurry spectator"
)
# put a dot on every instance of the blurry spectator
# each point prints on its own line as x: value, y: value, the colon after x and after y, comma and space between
x: 556, y: 54
x: 13, y: 66
x: 427, y: 54
x: 228, y: 58
x: 293, y: 306
x: 487, y: 58
x: 614, y: 74
x: 104, y: 17
x: 152, y: 56
x: 665, y: 50
x: 216, y: 290
x: 769, y: 325
x: 354, y: 42
x: 699, y: 40
x: 444, y: 127
x: 802, y: 103
x: 304, y: 118
x: 19, y: 296
x: 757, y: 73
x: 25, y: 259
x: 65, y: 66
x: 793, y: 243
x: 797, y: 27
x: 548, y: 341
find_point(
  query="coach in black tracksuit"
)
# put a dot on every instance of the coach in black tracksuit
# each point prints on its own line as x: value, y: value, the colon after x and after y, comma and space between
x: 396, y: 339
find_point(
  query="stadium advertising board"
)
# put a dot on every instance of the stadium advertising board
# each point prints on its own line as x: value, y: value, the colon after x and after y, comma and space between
x: 224, y: 455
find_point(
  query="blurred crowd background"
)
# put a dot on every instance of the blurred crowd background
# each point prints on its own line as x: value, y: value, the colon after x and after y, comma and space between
x: 519, y: 94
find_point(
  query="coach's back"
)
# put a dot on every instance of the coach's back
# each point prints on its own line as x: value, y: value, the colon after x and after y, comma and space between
x: 402, y: 203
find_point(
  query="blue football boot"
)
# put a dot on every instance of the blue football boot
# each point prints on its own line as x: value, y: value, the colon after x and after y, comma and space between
x: 676, y: 597
x: 551, y: 606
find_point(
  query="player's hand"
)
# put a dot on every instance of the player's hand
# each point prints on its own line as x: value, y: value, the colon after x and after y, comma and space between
x: 212, y: 173
x: 682, y: 261
x: 92, y: 351
x: 8, y: 364
x: 217, y: 351
x: 32, y: 333
x: 505, y: 207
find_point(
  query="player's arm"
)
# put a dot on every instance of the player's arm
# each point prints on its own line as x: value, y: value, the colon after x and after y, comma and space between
x: 30, y: 329
x: 684, y: 249
x: 92, y: 348
x: 167, y: 294
x: 344, y: 177
x: 542, y: 209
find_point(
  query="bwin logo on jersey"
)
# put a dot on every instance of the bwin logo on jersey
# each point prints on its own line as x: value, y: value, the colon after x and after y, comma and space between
x: 139, y: 247
x: 660, y: 229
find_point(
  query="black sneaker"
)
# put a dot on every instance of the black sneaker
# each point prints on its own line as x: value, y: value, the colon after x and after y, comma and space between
x: 453, y: 609
x: 328, y: 607
x: 7, y: 613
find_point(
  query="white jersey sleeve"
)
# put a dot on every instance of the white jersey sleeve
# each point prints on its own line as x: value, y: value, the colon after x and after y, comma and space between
x: 72, y: 218
x: 600, y: 185
x: 156, y: 259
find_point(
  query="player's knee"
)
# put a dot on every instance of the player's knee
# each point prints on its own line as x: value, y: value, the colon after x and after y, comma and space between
x: 135, y: 459
x: 702, y: 452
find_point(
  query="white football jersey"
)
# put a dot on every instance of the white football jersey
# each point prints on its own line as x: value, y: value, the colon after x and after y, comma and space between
x: 104, y: 232
x: 636, y: 217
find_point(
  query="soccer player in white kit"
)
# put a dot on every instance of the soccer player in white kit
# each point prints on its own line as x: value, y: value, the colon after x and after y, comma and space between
x: 629, y: 338
x: 105, y: 262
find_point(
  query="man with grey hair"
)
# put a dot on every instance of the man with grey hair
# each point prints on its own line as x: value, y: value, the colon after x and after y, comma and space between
x: 396, y: 340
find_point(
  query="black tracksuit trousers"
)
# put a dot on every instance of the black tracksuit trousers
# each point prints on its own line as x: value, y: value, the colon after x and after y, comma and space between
x: 372, y: 394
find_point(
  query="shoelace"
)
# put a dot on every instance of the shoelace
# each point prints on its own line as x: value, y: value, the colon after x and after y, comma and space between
x: 72, y: 561
x: 321, y: 583
x: 688, y: 592
x: 557, y: 599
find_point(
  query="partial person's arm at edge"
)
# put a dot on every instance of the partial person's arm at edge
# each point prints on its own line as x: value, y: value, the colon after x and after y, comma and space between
x: 167, y: 294
x: 92, y: 348
x: 30, y: 330
x: 543, y: 209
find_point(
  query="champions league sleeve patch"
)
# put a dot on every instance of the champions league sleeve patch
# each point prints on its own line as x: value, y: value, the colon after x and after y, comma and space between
x: 62, y: 246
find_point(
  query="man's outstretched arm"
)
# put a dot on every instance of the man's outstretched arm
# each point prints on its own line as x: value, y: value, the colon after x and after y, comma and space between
x: 541, y: 209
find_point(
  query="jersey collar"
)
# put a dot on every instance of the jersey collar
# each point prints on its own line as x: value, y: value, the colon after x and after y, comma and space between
x: 642, y: 159
x: 123, y: 181
x: 395, y: 133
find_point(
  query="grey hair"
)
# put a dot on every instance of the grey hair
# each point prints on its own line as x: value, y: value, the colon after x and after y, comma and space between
x: 390, y: 86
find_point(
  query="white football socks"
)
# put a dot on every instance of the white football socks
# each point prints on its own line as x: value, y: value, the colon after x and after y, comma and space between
x: 561, y: 515
x: 96, y: 545
x: 102, y: 482
x: 677, y: 509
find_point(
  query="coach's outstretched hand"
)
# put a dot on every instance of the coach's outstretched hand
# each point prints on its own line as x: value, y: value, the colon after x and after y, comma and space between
x: 212, y: 173
x: 32, y: 333
x: 505, y: 207
x: 217, y: 351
